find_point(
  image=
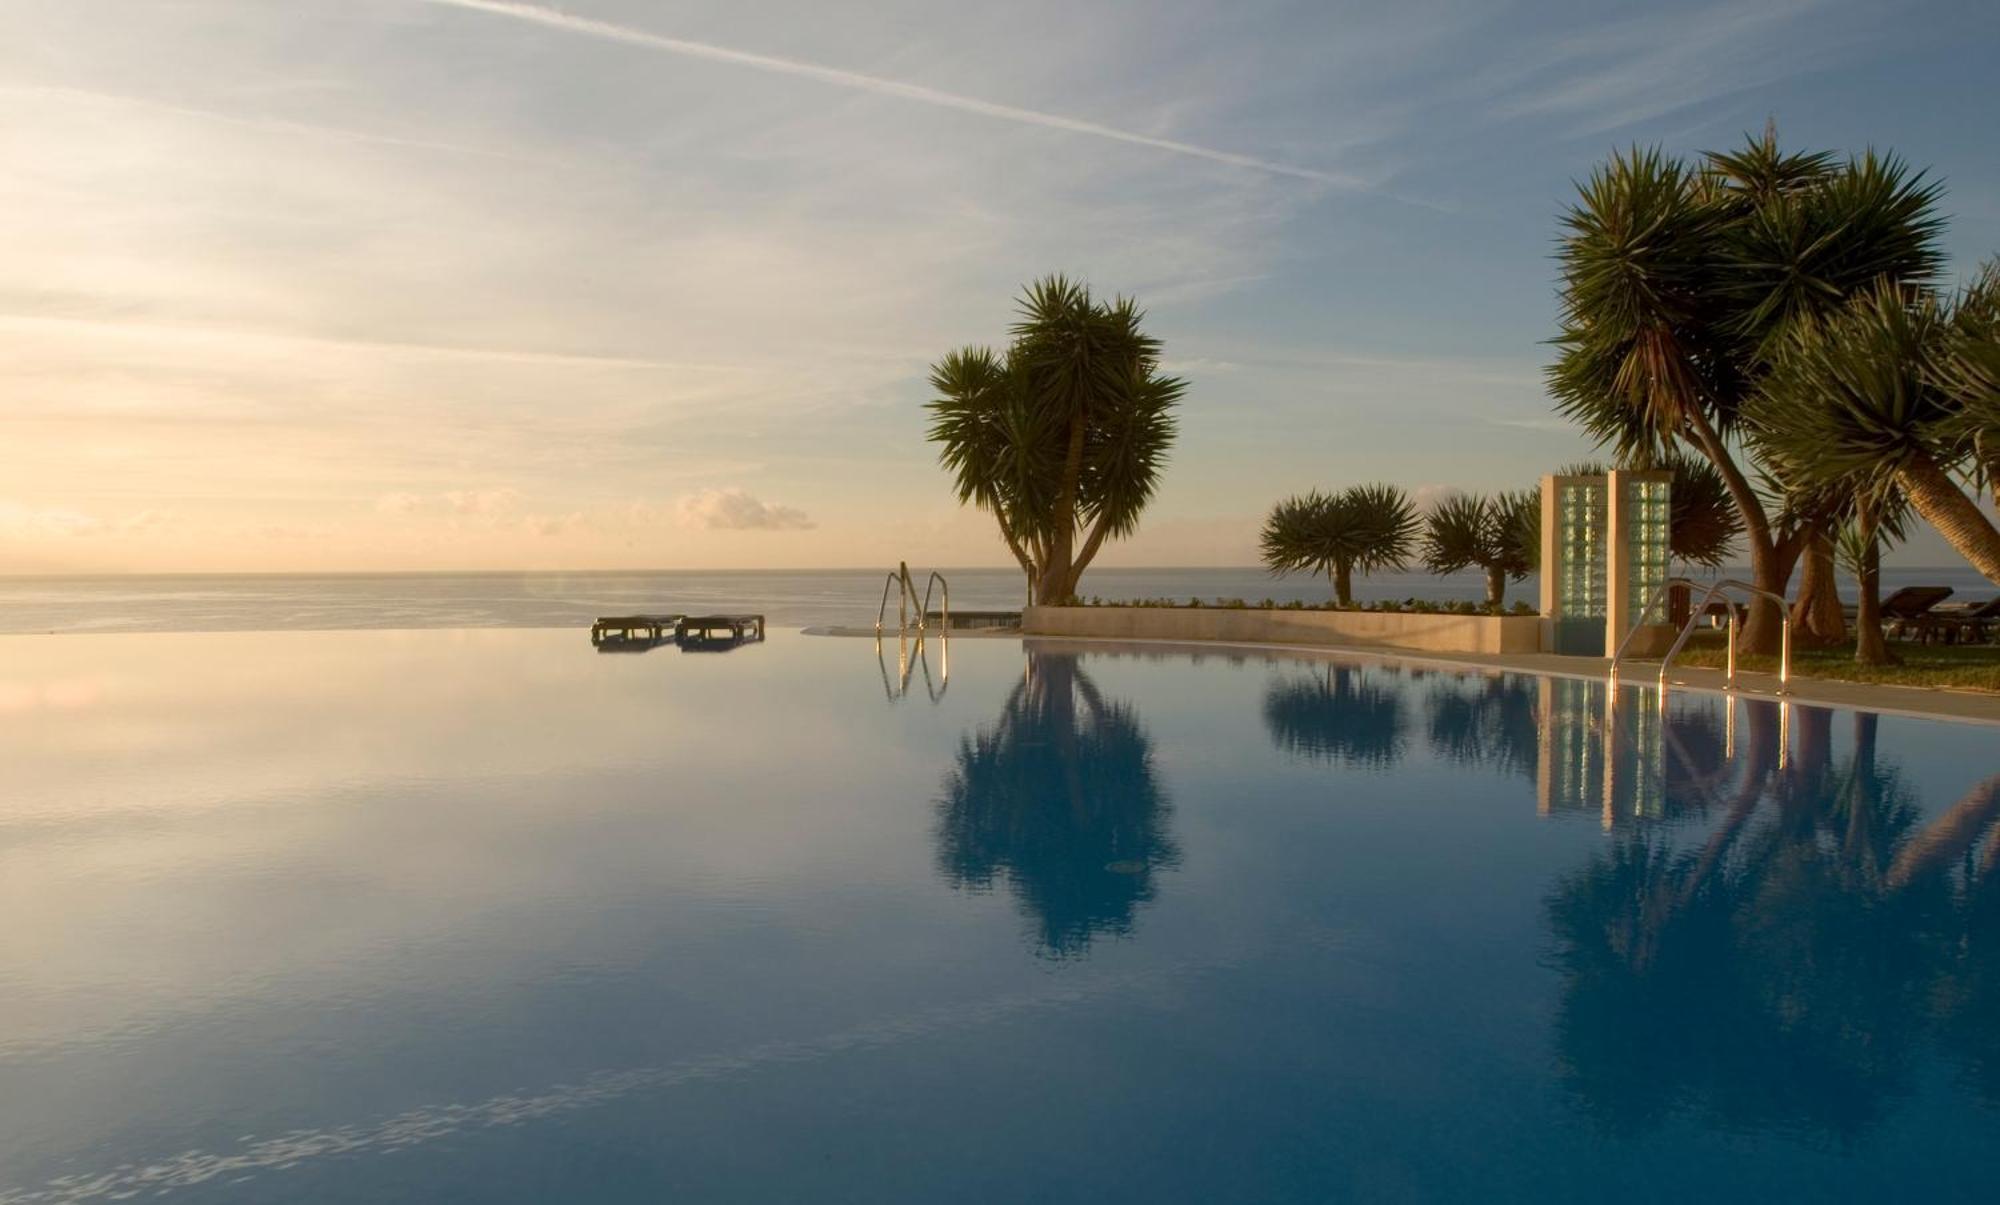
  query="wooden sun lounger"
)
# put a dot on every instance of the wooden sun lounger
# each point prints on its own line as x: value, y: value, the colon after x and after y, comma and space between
x: 1907, y: 612
x: 715, y: 633
x: 1967, y: 623
x: 633, y: 633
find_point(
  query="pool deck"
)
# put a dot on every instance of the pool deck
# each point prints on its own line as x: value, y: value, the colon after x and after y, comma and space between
x: 1937, y: 703
x: 1965, y: 706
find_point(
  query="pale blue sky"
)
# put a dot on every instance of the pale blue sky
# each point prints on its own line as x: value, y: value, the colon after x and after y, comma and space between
x: 405, y: 283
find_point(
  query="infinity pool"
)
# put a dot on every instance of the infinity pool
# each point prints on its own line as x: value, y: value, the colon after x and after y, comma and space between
x: 430, y: 916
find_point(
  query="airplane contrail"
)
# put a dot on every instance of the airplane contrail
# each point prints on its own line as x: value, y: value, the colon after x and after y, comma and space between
x: 590, y: 27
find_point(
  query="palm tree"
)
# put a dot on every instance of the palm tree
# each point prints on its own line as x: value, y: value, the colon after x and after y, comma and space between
x: 1680, y: 281
x: 1858, y: 403
x: 1365, y: 527
x: 1064, y: 435
x: 1971, y: 373
x: 1875, y: 524
x: 1500, y: 535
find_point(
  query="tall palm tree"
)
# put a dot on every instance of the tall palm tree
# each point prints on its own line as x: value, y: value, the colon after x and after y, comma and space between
x: 1876, y: 523
x: 1500, y: 535
x: 1063, y: 436
x: 1679, y: 281
x: 1858, y: 403
x: 1365, y: 527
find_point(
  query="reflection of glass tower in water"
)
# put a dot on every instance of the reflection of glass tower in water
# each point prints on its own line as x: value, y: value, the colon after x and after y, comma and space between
x: 1598, y: 759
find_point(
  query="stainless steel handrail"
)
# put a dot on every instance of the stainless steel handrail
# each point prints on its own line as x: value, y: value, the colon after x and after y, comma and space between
x: 945, y: 616
x: 1687, y: 630
x: 1659, y: 596
x: 1784, y: 647
x: 899, y: 576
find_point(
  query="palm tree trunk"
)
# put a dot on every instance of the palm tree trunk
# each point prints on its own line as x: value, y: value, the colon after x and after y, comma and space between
x: 1343, y: 583
x: 1948, y: 836
x: 1869, y: 646
x: 1816, y: 616
x: 1767, y: 569
x: 1956, y: 517
x: 1088, y: 552
x: 1055, y: 584
x: 1496, y: 586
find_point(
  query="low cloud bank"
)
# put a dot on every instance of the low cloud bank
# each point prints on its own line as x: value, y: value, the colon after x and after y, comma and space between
x: 738, y: 510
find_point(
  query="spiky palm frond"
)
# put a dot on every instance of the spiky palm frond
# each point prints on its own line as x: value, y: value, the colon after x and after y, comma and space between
x: 1801, y: 252
x: 1126, y: 453
x: 1760, y: 173
x: 1969, y: 371
x: 1290, y: 541
x: 1501, y: 532
x: 1852, y: 398
x: 1377, y: 524
x: 1891, y: 527
x: 1703, y: 522
x: 1365, y: 527
x: 1638, y: 343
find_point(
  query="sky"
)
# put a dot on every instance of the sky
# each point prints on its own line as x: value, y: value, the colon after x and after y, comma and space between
x: 469, y: 284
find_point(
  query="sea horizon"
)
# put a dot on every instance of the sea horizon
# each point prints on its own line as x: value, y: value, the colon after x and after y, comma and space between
x: 335, y: 600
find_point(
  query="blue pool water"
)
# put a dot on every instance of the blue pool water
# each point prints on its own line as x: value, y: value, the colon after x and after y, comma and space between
x: 482, y: 915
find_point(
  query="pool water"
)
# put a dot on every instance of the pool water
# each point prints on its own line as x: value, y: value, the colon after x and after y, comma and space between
x: 483, y: 915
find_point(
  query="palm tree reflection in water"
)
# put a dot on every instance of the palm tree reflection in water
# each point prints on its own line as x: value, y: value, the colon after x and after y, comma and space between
x: 1341, y: 713
x: 1790, y: 968
x: 1060, y: 798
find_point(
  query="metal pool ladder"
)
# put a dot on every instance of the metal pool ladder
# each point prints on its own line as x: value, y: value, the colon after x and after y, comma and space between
x: 900, y: 581
x: 1687, y: 630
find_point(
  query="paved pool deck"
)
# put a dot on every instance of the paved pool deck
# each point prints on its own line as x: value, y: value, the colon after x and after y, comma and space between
x: 1965, y: 706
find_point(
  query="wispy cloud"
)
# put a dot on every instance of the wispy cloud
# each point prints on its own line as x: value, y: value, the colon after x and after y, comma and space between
x: 737, y: 510
x: 1646, y: 66
x: 22, y: 520
x: 194, y: 332
x: 881, y: 86
x: 267, y: 125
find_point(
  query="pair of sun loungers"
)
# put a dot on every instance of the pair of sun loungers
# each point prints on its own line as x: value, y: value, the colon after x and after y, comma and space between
x: 1921, y: 613
x: 1917, y: 613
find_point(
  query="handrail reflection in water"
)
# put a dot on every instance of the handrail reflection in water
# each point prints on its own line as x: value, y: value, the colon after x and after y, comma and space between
x: 910, y: 655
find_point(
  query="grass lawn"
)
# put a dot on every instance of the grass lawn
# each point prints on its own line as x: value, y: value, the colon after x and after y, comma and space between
x: 1962, y: 667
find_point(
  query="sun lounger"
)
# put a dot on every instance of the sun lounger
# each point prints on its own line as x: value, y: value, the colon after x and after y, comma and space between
x: 1907, y: 612
x: 1966, y: 623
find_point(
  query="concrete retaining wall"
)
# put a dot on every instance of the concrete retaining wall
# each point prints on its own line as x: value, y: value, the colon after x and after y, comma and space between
x: 1359, y: 629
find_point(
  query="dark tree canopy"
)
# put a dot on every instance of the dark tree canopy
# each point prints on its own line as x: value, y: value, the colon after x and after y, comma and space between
x: 1500, y: 535
x: 1064, y: 435
x: 1681, y: 282
x: 1364, y: 527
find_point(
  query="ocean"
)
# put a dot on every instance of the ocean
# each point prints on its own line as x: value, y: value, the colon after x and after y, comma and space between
x: 789, y: 598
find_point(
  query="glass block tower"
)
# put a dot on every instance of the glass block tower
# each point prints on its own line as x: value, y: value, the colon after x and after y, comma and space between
x: 1605, y: 555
